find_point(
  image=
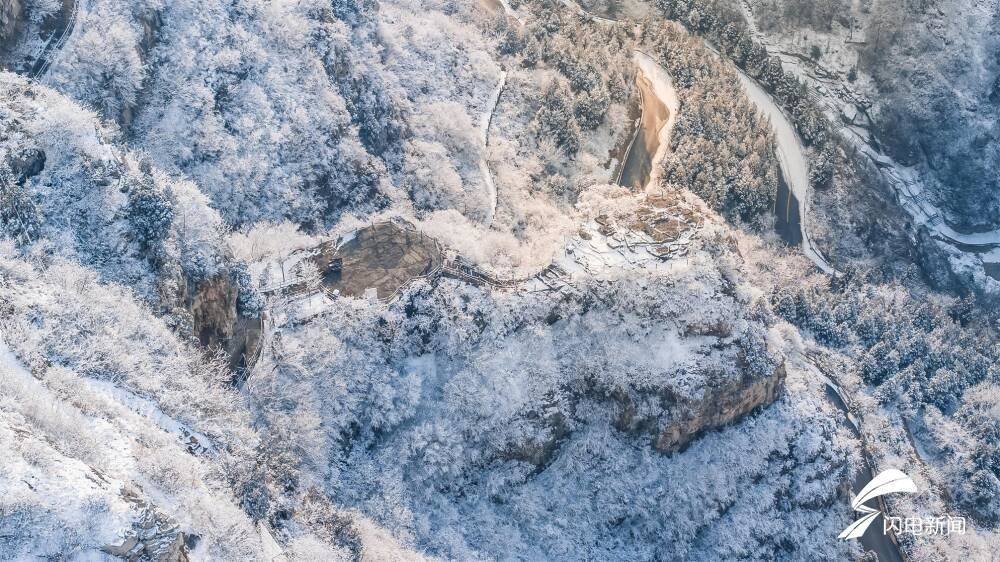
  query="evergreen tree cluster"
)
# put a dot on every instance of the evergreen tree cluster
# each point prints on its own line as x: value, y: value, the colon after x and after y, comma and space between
x: 594, y: 63
x: 936, y: 354
x: 720, y: 148
x: 725, y: 28
x: 149, y: 211
x: 18, y: 214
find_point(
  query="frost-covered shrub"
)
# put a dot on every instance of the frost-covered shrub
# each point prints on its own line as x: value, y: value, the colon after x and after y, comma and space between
x: 263, y: 126
x: 555, y: 117
x: 150, y: 212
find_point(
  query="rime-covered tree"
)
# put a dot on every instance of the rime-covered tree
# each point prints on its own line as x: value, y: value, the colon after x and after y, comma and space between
x: 149, y: 211
x: 555, y: 117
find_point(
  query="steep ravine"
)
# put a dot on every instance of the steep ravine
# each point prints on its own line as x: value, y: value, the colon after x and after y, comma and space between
x: 11, y: 21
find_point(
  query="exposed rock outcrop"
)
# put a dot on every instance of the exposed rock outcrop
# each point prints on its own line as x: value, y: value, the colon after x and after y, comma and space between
x: 722, y: 406
x: 217, y: 322
x: 26, y: 163
x: 11, y: 21
x: 213, y: 310
x: 679, y: 422
x: 154, y: 537
x: 934, y: 263
x: 541, y: 449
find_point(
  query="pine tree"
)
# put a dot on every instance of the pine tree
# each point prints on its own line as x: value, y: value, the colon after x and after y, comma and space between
x: 149, y: 211
x: 18, y: 214
x: 591, y: 106
x: 555, y: 118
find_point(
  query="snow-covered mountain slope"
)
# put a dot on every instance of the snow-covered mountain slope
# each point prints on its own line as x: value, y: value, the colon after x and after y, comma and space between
x: 481, y: 425
x: 66, y: 182
x: 926, y: 74
x: 349, y: 280
x: 111, y: 425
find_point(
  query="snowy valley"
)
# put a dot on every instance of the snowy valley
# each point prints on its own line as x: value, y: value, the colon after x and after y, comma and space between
x: 496, y: 279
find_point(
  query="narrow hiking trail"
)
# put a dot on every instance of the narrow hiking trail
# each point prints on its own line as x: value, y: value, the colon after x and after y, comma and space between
x: 484, y: 165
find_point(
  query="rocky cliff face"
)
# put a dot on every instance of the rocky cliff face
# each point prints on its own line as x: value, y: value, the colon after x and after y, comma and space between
x: 213, y: 310
x: 216, y: 321
x: 681, y: 421
x: 721, y: 406
x: 11, y: 20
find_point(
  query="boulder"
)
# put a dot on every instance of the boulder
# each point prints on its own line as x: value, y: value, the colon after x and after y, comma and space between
x: 154, y: 536
x: 26, y: 163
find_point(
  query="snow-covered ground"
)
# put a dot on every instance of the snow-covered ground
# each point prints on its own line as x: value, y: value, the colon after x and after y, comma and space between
x: 86, y: 464
x: 605, y: 257
x: 579, y: 9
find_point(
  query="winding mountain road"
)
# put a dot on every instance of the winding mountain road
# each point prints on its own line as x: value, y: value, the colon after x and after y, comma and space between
x: 792, y: 159
x: 905, y: 182
x: 790, y: 151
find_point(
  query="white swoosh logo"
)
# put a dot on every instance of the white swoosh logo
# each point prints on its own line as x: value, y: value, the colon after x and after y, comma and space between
x: 887, y: 482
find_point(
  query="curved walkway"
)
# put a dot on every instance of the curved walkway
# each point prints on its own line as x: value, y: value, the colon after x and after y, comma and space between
x: 484, y: 165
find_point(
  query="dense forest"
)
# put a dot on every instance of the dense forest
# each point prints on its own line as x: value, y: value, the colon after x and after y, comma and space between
x: 935, y: 71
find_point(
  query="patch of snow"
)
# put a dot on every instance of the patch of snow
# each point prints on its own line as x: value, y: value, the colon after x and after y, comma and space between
x: 271, y: 548
x: 192, y: 439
